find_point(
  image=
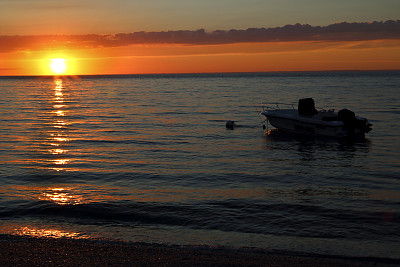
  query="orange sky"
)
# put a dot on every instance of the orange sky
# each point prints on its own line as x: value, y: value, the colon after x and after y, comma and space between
x: 158, y: 36
x: 239, y: 57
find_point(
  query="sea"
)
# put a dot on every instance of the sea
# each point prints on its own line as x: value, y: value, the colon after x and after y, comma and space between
x: 148, y: 159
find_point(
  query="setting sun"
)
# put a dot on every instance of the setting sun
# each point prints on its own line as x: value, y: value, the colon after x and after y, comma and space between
x: 58, y: 65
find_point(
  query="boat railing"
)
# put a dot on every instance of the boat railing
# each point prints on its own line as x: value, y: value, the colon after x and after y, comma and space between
x: 274, y: 106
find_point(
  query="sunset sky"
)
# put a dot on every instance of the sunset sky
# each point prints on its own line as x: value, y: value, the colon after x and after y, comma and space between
x: 182, y: 36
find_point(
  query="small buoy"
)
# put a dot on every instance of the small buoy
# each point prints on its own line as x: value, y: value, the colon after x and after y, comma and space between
x: 230, y: 124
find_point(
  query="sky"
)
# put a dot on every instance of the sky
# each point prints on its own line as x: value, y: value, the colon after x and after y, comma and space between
x: 180, y: 36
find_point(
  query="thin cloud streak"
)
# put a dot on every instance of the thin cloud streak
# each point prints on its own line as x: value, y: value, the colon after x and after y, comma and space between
x: 343, y: 31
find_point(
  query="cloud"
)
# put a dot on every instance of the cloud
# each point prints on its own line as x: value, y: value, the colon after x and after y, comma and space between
x: 344, y: 31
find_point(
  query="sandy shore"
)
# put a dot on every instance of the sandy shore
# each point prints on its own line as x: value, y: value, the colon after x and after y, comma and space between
x: 17, y: 251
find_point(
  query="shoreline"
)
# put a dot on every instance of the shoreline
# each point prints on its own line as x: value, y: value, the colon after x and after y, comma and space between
x: 28, y: 251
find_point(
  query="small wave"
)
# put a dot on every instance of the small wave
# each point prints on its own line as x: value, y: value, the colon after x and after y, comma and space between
x: 245, y: 217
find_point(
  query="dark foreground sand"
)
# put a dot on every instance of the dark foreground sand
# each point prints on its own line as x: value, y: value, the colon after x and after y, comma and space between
x: 15, y: 251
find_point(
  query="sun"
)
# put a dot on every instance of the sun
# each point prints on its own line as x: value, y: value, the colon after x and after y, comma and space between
x: 58, y: 65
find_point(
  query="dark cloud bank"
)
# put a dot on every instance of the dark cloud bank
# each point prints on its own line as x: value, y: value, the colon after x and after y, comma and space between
x: 343, y: 31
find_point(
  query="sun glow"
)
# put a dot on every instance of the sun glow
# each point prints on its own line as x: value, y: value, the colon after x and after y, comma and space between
x: 58, y: 65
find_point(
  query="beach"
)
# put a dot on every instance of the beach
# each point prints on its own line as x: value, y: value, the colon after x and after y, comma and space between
x: 21, y: 251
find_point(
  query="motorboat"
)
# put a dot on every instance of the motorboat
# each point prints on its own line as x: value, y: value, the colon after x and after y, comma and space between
x: 306, y: 119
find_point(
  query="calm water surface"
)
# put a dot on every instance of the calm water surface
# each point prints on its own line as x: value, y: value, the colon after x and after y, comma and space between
x: 148, y: 159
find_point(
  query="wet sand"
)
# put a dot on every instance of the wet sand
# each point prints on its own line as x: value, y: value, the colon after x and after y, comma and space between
x: 18, y: 251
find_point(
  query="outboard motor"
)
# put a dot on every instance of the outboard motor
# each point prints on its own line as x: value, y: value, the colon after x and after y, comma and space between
x: 348, y: 117
x: 351, y: 122
x: 306, y: 107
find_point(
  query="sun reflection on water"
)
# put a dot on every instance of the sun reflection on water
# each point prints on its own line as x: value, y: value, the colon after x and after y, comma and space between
x: 59, y: 87
x: 60, y: 113
x: 58, y: 151
x: 59, y: 195
x: 59, y: 124
x: 62, y: 196
x: 61, y: 161
x: 48, y: 233
x: 58, y: 135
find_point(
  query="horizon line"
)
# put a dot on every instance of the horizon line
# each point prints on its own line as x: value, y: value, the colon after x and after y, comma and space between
x: 193, y: 73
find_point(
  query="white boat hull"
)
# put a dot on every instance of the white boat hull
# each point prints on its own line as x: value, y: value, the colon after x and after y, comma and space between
x: 289, y: 120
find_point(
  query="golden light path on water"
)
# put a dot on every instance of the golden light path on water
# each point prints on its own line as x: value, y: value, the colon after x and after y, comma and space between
x: 56, y: 143
x: 59, y: 136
